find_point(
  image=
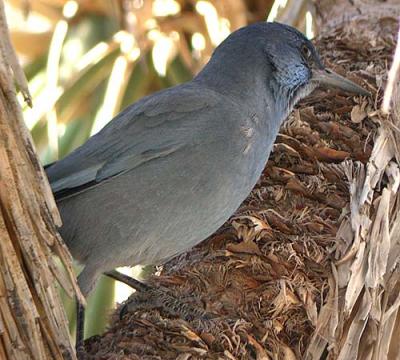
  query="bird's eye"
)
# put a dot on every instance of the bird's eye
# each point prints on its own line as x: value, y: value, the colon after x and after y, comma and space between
x: 306, y: 52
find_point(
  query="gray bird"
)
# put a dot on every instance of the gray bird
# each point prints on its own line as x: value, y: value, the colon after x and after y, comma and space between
x: 170, y: 169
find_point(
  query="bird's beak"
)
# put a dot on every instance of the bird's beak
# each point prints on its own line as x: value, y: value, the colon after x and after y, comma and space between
x: 328, y: 78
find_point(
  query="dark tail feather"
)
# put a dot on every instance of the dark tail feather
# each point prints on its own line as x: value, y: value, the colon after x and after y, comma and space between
x: 48, y: 165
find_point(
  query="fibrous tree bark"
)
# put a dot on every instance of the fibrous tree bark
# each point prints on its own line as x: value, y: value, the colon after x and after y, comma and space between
x: 33, y: 324
x: 308, y: 267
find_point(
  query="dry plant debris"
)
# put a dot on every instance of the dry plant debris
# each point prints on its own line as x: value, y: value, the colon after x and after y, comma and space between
x: 308, y: 266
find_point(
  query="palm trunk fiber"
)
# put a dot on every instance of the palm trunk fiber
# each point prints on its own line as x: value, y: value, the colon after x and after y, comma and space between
x: 308, y: 267
x: 33, y: 324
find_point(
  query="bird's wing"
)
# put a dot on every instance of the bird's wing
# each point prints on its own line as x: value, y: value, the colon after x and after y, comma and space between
x: 154, y: 127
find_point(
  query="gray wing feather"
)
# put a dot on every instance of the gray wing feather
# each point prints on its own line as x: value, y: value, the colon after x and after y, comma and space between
x: 132, y: 160
x: 73, y: 180
x: 154, y: 127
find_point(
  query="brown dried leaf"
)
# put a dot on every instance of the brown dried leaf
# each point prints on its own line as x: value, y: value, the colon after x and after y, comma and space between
x: 192, y: 336
x: 246, y: 247
x: 328, y: 154
x: 288, y: 353
x: 261, y: 354
x: 358, y: 113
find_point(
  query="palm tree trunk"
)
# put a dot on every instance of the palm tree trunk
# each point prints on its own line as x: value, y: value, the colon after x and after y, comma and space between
x: 32, y: 319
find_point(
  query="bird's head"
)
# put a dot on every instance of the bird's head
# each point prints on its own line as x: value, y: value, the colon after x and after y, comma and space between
x: 271, y: 57
x: 296, y: 68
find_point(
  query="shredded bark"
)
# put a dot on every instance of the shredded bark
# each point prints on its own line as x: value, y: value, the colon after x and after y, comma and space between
x: 33, y: 324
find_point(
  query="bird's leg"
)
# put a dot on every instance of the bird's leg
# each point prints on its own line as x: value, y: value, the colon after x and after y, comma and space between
x: 133, y: 283
x: 80, y: 327
x: 153, y: 297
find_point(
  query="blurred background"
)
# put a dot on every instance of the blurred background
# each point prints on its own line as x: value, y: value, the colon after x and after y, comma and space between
x: 86, y: 60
